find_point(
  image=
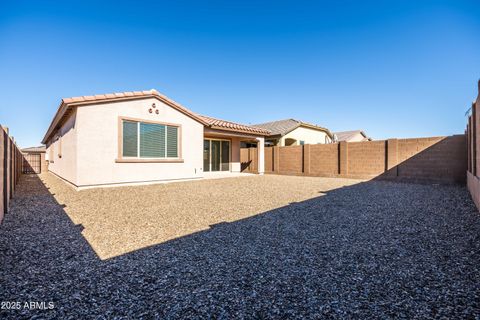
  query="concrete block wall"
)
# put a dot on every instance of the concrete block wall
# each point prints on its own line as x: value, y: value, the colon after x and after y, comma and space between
x: 324, y: 160
x: 10, y: 170
x: 432, y: 159
x: 290, y: 160
x: 473, y: 155
x: 366, y: 158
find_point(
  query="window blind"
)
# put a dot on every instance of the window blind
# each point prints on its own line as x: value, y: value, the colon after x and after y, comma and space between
x: 172, y: 142
x: 130, y: 139
x: 152, y: 140
x: 149, y: 140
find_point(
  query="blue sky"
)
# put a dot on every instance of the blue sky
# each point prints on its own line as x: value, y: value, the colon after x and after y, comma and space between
x: 392, y: 68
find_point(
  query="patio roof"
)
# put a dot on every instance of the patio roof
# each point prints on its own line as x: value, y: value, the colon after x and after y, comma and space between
x: 232, y: 126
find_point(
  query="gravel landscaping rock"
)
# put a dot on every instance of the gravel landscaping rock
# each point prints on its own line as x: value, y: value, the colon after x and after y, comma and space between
x: 249, y: 247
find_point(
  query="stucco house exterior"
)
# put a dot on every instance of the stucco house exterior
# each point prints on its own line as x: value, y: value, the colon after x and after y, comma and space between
x: 352, y: 136
x: 141, y: 137
x: 290, y: 132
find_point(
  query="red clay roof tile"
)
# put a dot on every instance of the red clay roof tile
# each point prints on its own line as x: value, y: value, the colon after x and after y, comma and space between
x: 232, y: 125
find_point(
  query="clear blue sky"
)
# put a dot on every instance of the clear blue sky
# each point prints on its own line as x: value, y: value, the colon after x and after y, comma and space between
x: 392, y: 68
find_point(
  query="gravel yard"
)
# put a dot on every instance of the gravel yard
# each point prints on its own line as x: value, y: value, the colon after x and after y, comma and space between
x: 257, y: 246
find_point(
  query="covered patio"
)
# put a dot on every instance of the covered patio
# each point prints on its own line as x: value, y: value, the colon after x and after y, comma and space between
x: 221, y: 151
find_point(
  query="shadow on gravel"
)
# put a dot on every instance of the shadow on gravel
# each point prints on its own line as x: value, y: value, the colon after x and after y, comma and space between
x: 375, y: 249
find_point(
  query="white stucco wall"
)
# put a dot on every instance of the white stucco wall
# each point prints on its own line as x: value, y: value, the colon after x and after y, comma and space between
x: 66, y: 165
x: 97, y: 144
x: 310, y: 136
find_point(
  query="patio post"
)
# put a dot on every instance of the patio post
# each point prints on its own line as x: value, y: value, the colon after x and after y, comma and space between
x: 261, y: 155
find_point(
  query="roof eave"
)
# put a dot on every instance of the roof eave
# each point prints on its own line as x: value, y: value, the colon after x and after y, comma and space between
x: 302, y: 124
x: 264, y: 134
x: 58, y: 115
x: 64, y: 107
x: 275, y: 136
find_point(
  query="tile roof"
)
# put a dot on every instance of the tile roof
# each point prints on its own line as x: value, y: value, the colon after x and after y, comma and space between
x: 66, y: 103
x: 218, y: 123
x: 126, y: 96
x: 110, y: 96
x: 282, y: 127
x: 347, y: 135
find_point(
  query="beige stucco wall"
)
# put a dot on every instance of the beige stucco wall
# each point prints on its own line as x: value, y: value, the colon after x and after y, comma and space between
x: 310, y: 136
x: 235, y: 165
x: 356, y: 138
x: 90, y: 146
x: 97, y: 144
x: 66, y: 165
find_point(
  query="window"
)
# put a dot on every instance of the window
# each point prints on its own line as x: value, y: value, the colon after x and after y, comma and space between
x: 130, y: 139
x: 149, y: 140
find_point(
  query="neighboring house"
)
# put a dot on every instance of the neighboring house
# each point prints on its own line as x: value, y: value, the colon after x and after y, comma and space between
x: 141, y: 137
x: 352, y: 136
x: 292, y: 132
x: 39, y: 149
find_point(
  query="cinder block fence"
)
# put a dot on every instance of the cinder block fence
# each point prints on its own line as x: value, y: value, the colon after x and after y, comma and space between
x: 434, y: 159
x: 11, y: 160
x: 473, y: 146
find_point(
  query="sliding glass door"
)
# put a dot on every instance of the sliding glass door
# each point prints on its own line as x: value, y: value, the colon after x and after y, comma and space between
x: 216, y: 155
x: 225, y: 156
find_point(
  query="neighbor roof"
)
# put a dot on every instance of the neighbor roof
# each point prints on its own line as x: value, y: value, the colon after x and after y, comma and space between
x: 34, y: 149
x: 347, y: 135
x: 67, y: 105
x: 282, y: 127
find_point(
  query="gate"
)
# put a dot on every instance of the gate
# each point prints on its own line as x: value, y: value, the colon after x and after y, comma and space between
x: 249, y: 160
x: 32, y: 163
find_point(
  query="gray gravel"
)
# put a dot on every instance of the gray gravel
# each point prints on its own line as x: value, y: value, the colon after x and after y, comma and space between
x: 367, y: 250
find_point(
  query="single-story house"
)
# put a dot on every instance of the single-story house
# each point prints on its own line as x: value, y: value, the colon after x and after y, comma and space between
x: 141, y: 137
x: 290, y: 132
x: 352, y: 136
